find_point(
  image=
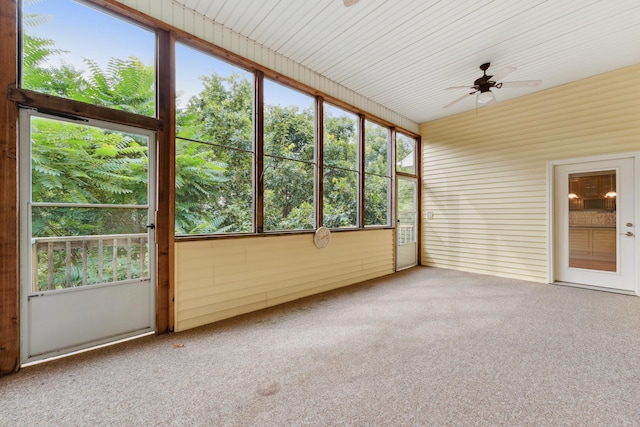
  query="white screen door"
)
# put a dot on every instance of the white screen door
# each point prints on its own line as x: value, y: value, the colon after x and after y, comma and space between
x: 407, y: 222
x: 88, y: 253
x: 594, y: 212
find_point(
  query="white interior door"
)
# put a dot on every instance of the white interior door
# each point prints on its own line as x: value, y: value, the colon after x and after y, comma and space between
x: 595, y: 217
x: 407, y: 222
x: 88, y: 253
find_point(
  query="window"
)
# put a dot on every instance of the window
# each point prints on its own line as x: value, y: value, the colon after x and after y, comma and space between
x: 89, y: 204
x: 214, y: 145
x: 405, y: 154
x: 340, y: 175
x: 220, y: 183
x: 377, y: 177
x: 66, y: 52
x: 289, y: 160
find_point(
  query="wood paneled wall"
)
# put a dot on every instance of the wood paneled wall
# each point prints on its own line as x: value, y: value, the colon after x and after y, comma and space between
x: 217, y: 279
x: 485, y: 171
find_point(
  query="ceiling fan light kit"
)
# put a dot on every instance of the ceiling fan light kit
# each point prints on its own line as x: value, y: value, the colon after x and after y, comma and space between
x: 483, y: 85
x: 486, y: 97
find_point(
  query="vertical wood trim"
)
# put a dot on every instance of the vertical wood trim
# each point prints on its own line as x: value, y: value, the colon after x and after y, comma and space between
x: 361, y: 169
x: 9, y: 279
x: 165, y: 218
x: 258, y: 150
x: 418, y: 162
x: 392, y: 174
x: 319, y: 155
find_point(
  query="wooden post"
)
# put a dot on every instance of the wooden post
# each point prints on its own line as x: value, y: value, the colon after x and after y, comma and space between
x: 319, y: 155
x: 258, y: 152
x: 362, y: 172
x: 9, y: 279
x: 165, y: 178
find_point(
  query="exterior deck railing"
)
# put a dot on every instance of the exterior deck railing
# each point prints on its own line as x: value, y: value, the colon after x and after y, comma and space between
x: 406, y: 234
x: 71, y: 261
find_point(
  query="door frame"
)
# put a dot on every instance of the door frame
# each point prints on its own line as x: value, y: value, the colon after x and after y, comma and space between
x: 551, y: 237
x: 24, y: 226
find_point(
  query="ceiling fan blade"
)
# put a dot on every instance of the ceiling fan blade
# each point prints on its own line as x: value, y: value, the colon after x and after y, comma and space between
x: 458, y: 100
x: 349, y: 3
x: 502, y: 74
x: 522, y: 83
x: 461, y: 87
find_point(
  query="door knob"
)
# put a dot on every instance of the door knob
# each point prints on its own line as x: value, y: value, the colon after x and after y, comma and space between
x: 629, y: 224
x: 628, y: 233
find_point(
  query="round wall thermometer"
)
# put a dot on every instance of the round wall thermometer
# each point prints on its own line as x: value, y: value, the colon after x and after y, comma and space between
x: 322, y: 237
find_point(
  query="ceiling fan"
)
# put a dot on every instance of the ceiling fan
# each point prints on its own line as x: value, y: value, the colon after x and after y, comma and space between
x: 484, y: 84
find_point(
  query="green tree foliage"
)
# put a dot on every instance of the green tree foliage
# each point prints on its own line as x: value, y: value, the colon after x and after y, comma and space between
x: 214, y: 158
x: 288, y: 184
x: 80, y: 164
x: 214, y: 154
x: 340, y: 204
x: 377, y: 182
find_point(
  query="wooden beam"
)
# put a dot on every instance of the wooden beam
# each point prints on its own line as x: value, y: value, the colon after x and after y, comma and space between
x: 319, y: 156
x: 391, y: 195
x: 258, y: 161
x: 361, y: 168
x: 63, y: 106
x: 418, y: 163
x: 9, y: 279
x: 165, y: 171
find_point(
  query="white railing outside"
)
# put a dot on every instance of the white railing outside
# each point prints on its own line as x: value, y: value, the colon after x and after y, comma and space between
x: 406, y: 234
x: 72, y: 261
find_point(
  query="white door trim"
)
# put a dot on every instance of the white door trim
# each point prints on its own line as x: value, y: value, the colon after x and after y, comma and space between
x: 551, y: 211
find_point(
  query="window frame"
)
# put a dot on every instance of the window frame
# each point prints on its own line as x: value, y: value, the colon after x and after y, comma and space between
x: 389, y: 177
x: 167, y: 36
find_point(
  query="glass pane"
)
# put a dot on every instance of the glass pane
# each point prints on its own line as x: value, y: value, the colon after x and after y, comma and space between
x: 214, y: 189
x: 74, y: 163
x: 288, y: 195
x: 77, y: 52
x: 340, y: 198
x: 288, y: 122
x: 340, y: 138
x: 214, y: 100
x: 376, y: 200
x: 407, y: 211
x: 405, y: 154
x: 376, y: 149
x: 592, y: 220
x: 76, y: 170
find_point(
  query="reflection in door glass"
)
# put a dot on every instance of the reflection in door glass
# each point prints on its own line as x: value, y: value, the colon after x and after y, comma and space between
x: 592, y: 220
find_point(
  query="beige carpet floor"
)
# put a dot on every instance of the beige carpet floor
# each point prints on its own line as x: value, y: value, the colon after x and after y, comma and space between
x: 422, y: 347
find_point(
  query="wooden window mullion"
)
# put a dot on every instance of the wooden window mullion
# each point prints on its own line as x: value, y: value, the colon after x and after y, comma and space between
x: 319, y: 156
x: 258, y: 161
x: 361, y: 171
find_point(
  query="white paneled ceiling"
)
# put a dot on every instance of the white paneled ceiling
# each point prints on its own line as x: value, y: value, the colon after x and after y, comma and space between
x: 402, y: 54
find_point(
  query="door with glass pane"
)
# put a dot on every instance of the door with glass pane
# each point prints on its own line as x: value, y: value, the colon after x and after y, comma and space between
x: 88, y: 241
x: 595, y: 223
x: 407, y: 223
